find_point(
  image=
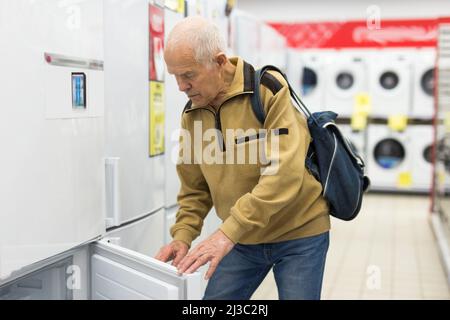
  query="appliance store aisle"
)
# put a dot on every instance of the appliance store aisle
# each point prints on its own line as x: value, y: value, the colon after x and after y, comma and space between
x: 388, y: 252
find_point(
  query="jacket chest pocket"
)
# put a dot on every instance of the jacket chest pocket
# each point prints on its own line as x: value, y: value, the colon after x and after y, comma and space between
x: 250, y: 149
x: 258, y: 147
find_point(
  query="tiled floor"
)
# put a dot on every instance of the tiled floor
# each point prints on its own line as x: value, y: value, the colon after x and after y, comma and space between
x: 388, y: 252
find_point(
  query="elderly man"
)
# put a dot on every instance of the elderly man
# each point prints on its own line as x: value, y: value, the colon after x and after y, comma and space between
x: 278, y: 220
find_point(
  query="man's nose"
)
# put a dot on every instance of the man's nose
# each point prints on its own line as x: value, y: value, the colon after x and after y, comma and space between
x: 183, y: 86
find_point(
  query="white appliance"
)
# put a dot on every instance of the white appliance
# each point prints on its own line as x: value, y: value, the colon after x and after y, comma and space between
x: 215, y: 11
x: 389, y: 158
x: 346, y: 78
x: 273, y: 48
x: 421, y: 155
x: 390, y: 82
x: 52, y: 132
x: 246, y: 37
x: 82, y: 203
x: 306, y: 73
x: 196, y: 8
x: 423, y: 83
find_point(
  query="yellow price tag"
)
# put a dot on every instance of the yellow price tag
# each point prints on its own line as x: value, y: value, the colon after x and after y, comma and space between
x: 441, y: 178
x: 359, y: 121
x: 398, y: 122
x: 157, y: 116
x: 175, y: 5
x: 362, y: 103
x: 447, y: 121
x: 181, y: 6
x: 404, y: 179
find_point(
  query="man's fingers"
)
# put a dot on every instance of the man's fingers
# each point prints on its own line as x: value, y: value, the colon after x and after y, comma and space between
x: 186, y: 263
x: 198, y: 263
x: 178, y: 257
x: 212, y: 268
x: 164, y: 255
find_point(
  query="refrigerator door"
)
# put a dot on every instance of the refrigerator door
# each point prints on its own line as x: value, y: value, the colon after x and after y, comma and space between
x: 51, y: 129
x: 122, y: 274
x: 135, y: 181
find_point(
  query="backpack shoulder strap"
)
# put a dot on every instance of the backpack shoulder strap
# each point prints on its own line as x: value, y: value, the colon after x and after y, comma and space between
x: 269, y: 81
x: 262, y: 77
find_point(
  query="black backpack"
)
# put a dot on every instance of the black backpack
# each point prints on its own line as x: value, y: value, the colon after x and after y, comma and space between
x: 330, y: 157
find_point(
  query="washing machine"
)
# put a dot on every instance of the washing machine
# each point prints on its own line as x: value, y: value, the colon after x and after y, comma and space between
x: 421, y: 155
x: 346, y: 77
x: 390, y: 82
x: 357, y: 140
x: 389, y: 158
x: 306, y: 73
x: 423, y: 83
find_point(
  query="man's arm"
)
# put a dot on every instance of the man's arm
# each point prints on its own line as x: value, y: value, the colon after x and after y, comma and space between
x: 194, y: 200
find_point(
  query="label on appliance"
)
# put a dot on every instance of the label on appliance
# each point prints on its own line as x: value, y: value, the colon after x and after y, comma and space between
x: 404, y: 179
x: 398, y: 122
x: 359, y: 121
x: 362, y: 103
x: 441, y: 178
x: 447, y: 122
x: 175, y: 5
x: 156, y: 121
x: 78, y: 90
x: 156, y: 43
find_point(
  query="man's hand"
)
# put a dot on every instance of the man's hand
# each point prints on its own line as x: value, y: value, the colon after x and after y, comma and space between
x: 176, y: 251
x: 213, y: 249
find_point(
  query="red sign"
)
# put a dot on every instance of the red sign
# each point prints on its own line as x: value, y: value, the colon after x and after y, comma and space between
x: 156, y: 43
x: 360, y: 34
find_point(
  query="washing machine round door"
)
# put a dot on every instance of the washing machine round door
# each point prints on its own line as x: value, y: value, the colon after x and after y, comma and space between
x: 427, y: 153
x: 389, y: 80
x: 344, y: 80
x: 308, y: 81
x: 389, y: 153
x: 427, y: 82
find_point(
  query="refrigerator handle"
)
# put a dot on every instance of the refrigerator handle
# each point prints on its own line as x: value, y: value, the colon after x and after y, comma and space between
x: 112, y: 196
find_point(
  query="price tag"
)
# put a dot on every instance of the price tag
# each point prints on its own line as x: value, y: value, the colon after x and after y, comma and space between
x: 359, y: 121
x: 404, y: 179
x: 398, y: 122
x: 441, y: 178
x: 362, y: 103
x: 447, y: 122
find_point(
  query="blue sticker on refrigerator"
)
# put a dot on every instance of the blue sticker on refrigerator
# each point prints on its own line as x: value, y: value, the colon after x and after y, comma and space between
x: 79, y: 90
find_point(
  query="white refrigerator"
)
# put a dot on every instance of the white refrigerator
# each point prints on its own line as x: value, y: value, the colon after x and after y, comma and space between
x: 82, y: 202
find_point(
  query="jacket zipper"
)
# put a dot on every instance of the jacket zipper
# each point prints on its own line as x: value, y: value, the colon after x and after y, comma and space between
x: 218, y: 123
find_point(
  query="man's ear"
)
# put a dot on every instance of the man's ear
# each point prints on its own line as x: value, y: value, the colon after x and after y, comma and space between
x: 221, y: 59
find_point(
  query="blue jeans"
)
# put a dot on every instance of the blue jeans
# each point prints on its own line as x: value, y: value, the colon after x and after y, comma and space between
x: 298, y: 267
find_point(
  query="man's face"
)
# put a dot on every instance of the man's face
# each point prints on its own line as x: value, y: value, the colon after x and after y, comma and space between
x: 201, y: 83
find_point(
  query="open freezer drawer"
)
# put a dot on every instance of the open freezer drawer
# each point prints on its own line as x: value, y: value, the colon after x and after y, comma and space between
x: 121, y: 274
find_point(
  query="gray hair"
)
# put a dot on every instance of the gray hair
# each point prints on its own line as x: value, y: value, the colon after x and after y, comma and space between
x: 201, y: 35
